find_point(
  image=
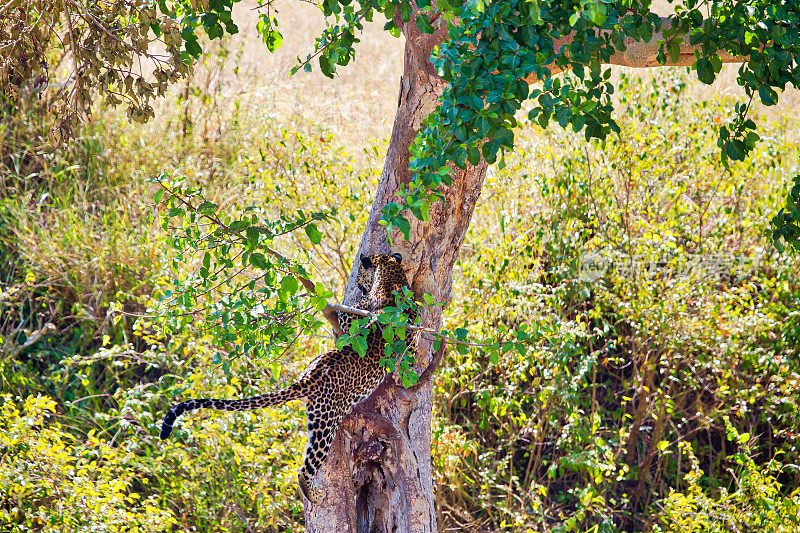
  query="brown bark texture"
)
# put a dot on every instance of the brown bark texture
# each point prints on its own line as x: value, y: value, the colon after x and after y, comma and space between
x: 378, y: 475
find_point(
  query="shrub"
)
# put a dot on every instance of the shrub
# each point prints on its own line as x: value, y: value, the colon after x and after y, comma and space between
x: 635, y: 269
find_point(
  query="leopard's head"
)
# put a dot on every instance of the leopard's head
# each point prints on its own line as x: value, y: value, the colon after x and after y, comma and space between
x: 369, y: 264
x: 379, y: 275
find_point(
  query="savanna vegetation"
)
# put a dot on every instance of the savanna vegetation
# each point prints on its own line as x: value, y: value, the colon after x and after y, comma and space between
x: 648, y: 372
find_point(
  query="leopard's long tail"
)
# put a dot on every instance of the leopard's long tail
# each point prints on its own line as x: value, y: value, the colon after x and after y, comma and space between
x: 294, y: 392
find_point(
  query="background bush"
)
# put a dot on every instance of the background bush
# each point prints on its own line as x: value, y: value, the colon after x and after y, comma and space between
x: 656, y: 389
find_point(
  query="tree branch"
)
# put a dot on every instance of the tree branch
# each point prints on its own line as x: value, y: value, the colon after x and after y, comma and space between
x: 33, y: 338
x: 329, y: 312
x: 639, y: 54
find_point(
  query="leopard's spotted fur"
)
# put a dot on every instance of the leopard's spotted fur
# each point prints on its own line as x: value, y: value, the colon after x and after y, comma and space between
x: 364, y: 279
x: 331, y: 384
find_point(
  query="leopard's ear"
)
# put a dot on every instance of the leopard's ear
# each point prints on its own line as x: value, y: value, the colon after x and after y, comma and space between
x: 397, y: 257
x: 366, y: 261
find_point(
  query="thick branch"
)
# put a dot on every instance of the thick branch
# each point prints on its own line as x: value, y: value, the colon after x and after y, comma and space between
x: 639, y: 54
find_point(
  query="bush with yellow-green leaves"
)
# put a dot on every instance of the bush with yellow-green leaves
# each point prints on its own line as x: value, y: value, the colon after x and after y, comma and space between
x: 652, y: 383
x: 653, y: 313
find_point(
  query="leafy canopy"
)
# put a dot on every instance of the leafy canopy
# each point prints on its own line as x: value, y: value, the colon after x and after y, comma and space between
x: 489, y: 52
x: 496, y: 46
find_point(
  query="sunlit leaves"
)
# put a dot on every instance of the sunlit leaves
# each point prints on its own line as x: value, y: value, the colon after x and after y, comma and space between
x: 571, y: 392
x: 313, y: 233
x: 359, y: 344
x: 390, y: 325
x: 232, y: 281
x: 266, y: 27
x: 785, y: 225
x: 107, y: 43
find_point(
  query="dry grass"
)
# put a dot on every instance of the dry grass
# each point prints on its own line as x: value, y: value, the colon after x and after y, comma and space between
x: 358, y: 105
x: 725, y: 84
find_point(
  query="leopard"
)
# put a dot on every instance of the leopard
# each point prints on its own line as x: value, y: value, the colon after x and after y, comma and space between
x: 332, y: 384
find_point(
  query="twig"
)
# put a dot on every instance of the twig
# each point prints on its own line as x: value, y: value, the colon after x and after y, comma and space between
x: 35, y: 336
x: 328, y: 312
x: 333, y: 40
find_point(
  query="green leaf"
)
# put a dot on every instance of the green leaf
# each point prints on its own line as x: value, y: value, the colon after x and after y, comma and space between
x: 424, y: 24
x: 207, y: 206
x: 768, y: 96
x: 343, y: 341
x: 313, y: 233
x: 705, y: 71
x: 258, y: 260
x: 252, y: 235
x: 289, y: 286
x: 474, y: 155
x: 597, y: 13
x: 273, y: 40
x: 404, y: 225
x: 193, y: 48
x: 536, y: 12
x: 360, y: 345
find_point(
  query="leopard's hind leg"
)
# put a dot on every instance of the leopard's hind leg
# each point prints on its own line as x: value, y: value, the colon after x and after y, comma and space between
x: 324, y: 415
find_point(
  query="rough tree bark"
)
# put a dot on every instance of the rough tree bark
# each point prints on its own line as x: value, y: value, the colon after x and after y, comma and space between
x: 378, y: 475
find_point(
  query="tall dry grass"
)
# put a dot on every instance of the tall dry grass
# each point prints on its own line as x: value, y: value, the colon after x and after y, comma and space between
x: 358, y: 105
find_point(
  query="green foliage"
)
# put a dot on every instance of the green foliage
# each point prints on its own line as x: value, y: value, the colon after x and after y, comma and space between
x: 494, y: 48
x: 82, y: 253
x: 52, y: 481
x: 654, y: 322
x: 231, y: 278
x: 489, y: 52
x: 236, y: 287
x: 631, y: 360
x: 105, y: 43
x: 758, y: 505
x: 785, y: 225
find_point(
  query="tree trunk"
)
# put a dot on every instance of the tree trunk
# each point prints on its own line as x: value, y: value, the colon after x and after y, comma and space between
x: 378, y: 475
